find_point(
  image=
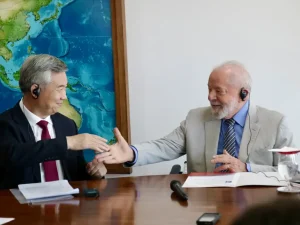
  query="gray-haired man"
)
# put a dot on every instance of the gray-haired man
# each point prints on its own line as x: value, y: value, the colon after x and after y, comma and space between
x: 231, y: 135
x: 37, y: 143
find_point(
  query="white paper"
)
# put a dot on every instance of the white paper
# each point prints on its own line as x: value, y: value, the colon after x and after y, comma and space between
x: 235, y: 180
x: 227, y: 180
x: 5, y: 220
x: 18, y: 195
x: 47, y: 189
x: 64, y: 201
x: 51, y: 199
x: 285, y: 149
x: 260, y: 179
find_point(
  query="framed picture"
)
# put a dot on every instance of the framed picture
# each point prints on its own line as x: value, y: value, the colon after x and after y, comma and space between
x: 89, y: 36
x: 120, y: 75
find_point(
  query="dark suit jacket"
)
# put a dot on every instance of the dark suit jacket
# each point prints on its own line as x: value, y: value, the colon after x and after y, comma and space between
x: 20, y: 154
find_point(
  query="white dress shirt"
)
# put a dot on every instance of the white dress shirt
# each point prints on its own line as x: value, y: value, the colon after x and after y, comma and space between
x: 37, y: 132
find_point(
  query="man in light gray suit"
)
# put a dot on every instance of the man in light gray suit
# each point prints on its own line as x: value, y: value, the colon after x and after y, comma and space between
x: 231, y: 135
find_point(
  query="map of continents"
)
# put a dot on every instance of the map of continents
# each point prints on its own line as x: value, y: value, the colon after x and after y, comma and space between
x: 79, y: 33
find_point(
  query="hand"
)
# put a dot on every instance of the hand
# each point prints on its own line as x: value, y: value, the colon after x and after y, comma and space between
x: 118, y: 153
x: 96, y: 169
x: 87, y: 141
x: 231, y: 163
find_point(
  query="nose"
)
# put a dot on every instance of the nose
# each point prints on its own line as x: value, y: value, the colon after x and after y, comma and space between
x: 64, y: 95
x: 211, y: 95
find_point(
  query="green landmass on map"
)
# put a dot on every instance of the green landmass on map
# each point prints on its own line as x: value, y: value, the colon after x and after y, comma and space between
x: 69, y: 86
x: 16, y: 75
x: 29, y: 48
x: 3, y: 75
x: 36, y: 16
x: 13, y: 24
x: 14, y: 27
x: 53, y: 17
x: 69, y: 111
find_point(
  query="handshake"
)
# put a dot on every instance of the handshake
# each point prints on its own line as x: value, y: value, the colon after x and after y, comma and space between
x: 120, y: 152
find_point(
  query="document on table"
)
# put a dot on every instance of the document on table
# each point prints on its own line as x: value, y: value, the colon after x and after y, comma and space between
x: 5, y: 220
x: 236, y: 180
x: 47, y: 189
x: 22, y: 200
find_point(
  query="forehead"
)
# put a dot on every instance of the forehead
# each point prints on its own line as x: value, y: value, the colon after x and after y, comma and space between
x: 59, y: 78
x: 219, y: 78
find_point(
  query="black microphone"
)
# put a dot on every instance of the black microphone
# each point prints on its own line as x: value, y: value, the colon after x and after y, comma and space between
x: 176, y: 169
x: 176, y: 187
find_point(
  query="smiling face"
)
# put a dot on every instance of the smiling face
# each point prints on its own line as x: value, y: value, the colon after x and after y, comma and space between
x: 52, y: 95
x: 223, y: 94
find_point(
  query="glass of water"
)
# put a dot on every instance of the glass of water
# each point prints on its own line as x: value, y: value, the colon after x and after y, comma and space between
x: 288, y: 169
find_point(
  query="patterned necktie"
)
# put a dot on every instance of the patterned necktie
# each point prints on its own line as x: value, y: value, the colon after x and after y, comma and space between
x: 50, y: 169
x: 229, y: 139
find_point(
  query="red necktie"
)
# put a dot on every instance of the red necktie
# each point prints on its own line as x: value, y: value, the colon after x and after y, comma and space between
x: 50, y: 168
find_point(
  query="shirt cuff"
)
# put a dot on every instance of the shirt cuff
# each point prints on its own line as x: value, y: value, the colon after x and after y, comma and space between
x: 248, y: 167
x: 135, y: 157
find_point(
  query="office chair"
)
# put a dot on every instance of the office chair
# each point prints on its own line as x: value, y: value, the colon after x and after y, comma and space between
x: 176, y: 169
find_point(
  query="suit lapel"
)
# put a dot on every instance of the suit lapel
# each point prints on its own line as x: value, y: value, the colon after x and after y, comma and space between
x: 212, y: 131
x: 56, y: 126
x: 251, y: 130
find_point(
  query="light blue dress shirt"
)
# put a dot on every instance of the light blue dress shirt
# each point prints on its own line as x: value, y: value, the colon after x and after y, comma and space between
x: 240, y: 120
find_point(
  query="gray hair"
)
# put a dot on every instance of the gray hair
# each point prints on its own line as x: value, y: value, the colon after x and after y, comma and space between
x: 239, y: 72
x: 37, y: 70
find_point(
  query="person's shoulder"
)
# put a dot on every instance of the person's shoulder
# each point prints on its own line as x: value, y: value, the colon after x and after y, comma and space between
x: 269, y: 113
x: 200, y: 112
x: 7, y: 114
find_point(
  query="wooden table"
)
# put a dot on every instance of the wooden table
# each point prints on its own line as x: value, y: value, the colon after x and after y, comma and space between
x: 138, y: 200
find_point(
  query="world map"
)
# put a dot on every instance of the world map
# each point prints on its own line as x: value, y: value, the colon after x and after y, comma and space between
x: 79, y: 33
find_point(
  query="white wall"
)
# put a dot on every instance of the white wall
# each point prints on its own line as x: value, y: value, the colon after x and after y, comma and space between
x: 173, y: 45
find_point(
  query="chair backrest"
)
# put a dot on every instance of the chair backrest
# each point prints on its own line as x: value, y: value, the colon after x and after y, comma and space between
x: 176, y: 169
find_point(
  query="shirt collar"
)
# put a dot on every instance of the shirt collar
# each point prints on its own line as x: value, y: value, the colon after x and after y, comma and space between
x: 32, y: 118
x: 241, y: 115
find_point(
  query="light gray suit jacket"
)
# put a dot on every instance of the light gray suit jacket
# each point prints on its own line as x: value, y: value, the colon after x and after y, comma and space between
x: 198, y: 136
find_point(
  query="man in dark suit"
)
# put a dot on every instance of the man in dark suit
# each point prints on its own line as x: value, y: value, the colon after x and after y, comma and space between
x: 37, y: 143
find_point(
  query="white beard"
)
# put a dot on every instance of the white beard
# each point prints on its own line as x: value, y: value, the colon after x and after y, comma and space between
x: 225, y: 110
